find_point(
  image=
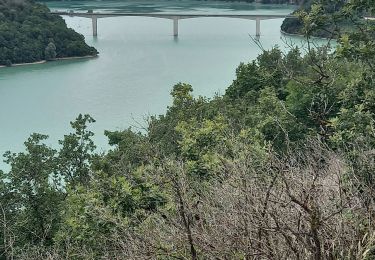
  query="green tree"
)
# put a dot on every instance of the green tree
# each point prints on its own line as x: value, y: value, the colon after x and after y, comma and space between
x: 50, y: 51
x: 198, y: 143
x: 34, y: 191
x: 109, y: 206
x: 130, y: 149
x: 77, y: 152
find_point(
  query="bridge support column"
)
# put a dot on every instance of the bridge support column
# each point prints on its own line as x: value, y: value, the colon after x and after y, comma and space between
x: 94, y: 26
x: 257, y: 33
x: 175, y: 27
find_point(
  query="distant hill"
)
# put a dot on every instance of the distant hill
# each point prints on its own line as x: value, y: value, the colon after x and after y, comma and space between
x: 29, y: 33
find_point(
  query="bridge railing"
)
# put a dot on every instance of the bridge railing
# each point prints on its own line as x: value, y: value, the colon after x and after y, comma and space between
x: 175, y: 17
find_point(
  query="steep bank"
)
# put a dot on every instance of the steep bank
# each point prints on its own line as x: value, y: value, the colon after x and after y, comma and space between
x: 29, y: 33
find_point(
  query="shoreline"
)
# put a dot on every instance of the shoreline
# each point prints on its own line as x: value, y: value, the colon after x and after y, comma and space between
x: 45, y: 61
x: 301, y: 35
x: 290, y: 34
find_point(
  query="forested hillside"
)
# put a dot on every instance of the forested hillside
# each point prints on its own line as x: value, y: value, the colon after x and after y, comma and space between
x: 28, y: 33
x: 330, y: 25
x: 280, y: 167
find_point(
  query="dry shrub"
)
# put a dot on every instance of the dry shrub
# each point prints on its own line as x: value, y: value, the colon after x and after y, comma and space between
x: 302, y: 205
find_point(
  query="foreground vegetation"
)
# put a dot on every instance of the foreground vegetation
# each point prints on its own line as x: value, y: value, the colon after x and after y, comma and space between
x: 280, y: 167
x: 29, y: 33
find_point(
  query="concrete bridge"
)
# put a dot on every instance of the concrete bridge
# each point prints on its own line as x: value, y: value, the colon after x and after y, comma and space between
x: 174, y: 17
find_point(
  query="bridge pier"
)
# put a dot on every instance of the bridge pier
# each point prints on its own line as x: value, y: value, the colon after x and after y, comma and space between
x: 173, y: 16
x: 94, y: 26
x: 175, y: 27
x: 257, y: 33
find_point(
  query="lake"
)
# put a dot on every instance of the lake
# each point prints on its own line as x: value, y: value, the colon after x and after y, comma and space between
x: 138, y: 65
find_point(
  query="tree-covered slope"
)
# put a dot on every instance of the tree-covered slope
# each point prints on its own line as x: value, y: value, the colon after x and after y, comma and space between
x: 330, y: 25
x: 279, y: 167
x: 27, y: 28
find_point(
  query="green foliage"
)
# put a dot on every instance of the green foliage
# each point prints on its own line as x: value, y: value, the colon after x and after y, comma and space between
x: 356, y: 124
x: 50, y: 51
x: 247, y: 80
x: 110, y: 204
x: 162, y: 130
x: 28, y: 32
x: 211, y: 169
x: 267, y: 71
x: 32, y: 191
x: 132, y: 149
x: 322, y: 18
x: 198, y: 143
x: 76, y: 153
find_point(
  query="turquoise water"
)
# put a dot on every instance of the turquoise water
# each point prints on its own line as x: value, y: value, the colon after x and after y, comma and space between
x: 139, y: 63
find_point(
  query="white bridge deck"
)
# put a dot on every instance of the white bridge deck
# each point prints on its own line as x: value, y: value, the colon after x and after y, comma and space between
x: 174, y: 16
